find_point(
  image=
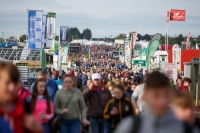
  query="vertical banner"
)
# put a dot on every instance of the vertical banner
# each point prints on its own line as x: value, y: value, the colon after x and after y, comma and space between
x: 64, y: 34
x: 151, y: 49
x: 188, y: 42
x: 43, y: 29
x: 127, y: 50
x: 134, y: 38
x: 60, y: 54
x: 176, y: 57
x: 167, y: 16
x: 50, y: 32
x: 35, y: 18
x: 65, y: 54
x: 170, y: 70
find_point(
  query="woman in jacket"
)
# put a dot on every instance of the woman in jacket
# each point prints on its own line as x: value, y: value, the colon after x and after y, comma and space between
x: 41, y: 105
x: 118, y: 107
x: 68, y: 103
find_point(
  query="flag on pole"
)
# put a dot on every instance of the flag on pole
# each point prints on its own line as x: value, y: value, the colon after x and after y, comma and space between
x: 151, y: 49
x: 65, y: 54
x: 188, y: 42
x: 167, y: 16
x: 50, y: 32
x: 43, y: 29
x: 177, y: 15
x: 64, y: 33
x: 35, y: 18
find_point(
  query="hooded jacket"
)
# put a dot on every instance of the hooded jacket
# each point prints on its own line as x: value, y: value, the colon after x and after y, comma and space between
x: 97, y: 101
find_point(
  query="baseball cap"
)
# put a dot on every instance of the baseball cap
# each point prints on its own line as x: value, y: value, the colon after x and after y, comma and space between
x: 96, y: 76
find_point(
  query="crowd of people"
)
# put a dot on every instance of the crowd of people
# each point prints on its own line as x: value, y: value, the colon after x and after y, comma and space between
x: 98, y: 96
x: 106, y: 101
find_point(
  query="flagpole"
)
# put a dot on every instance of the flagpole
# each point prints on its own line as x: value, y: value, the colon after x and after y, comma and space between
x: 167, y: 36
x: 27, y: 27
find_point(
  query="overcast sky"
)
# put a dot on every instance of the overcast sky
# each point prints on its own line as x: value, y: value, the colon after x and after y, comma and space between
x: 103, y: 17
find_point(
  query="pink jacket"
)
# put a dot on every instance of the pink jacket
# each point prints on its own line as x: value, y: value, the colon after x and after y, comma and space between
x: 41, y: 107
x: 24, y: 93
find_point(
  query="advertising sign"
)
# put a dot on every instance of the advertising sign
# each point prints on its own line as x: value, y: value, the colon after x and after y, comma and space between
x: 51, y: 32
x: 176, y: 57
x: 35, y: 18
x: 127, y: 50
x: 170, y: 70
x: 64, y: 33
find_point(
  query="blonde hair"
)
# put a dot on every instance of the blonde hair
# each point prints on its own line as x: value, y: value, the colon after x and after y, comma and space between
x: 110, y: 83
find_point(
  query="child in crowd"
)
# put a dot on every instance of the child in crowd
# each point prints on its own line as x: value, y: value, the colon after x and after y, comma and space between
x: 183, y: 107
x: 186, y: 85
x: 133, y: 86
x: 158, y: 117
x: 41, y: 105
x: 179, y: 83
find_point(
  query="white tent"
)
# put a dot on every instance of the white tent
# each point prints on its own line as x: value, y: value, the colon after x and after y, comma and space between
x: 81, y: 41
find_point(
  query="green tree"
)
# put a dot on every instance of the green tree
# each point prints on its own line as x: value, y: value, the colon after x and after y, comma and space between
x: 179, y: 39
x: 57, y: 38
x: 120, y: 36
x: 87, y: 34
x: 22, y: 38
x: 74, y: 33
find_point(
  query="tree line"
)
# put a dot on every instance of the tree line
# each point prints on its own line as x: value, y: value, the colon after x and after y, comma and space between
x: 172, y: 40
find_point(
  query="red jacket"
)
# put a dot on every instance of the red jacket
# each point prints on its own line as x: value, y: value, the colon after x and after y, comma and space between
x: 184, y: 88
x: 16, y: 116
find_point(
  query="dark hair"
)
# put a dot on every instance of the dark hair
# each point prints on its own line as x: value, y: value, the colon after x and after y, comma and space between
x: 11, y: 69
x: 178, y: 79
x: 188, y: 80
x: 124, y: 83
x: 118, y: 86
x: 34, y: 95
x: 157, y: 80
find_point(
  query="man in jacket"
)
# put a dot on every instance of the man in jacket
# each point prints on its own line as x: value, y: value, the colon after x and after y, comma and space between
x: 77, y: 81
x: 97, y: 96
x: 84, y: 79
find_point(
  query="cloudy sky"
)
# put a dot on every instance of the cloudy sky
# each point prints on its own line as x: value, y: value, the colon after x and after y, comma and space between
x: 103, y: 17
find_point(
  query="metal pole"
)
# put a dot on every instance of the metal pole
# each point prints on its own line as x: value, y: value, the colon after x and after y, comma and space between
x: 197, y: 94
x: 131, y: 50
x: 27, y: 27
x: 124, y: 50
x: 89, y: 52
x: 167, y: 36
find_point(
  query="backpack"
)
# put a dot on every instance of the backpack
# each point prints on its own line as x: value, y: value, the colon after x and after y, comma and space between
x: 137, y: 123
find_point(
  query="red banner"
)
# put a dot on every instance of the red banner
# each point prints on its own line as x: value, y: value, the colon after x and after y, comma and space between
x: 167, y: 16
x: 177, y: 15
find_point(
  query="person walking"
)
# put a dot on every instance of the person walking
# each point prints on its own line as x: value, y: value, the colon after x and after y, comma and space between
x: 41, y: 105
x: 97, y: 96
x: 118, y: 107
x: 68, y: 103
x: 52, y: 88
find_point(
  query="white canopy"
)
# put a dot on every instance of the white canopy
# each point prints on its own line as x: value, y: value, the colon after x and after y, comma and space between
x: 81, y: 41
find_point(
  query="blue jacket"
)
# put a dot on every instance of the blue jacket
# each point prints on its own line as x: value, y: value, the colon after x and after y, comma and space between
x: 52, y: 88
x: 84, y: 80
x: 4, y: 126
